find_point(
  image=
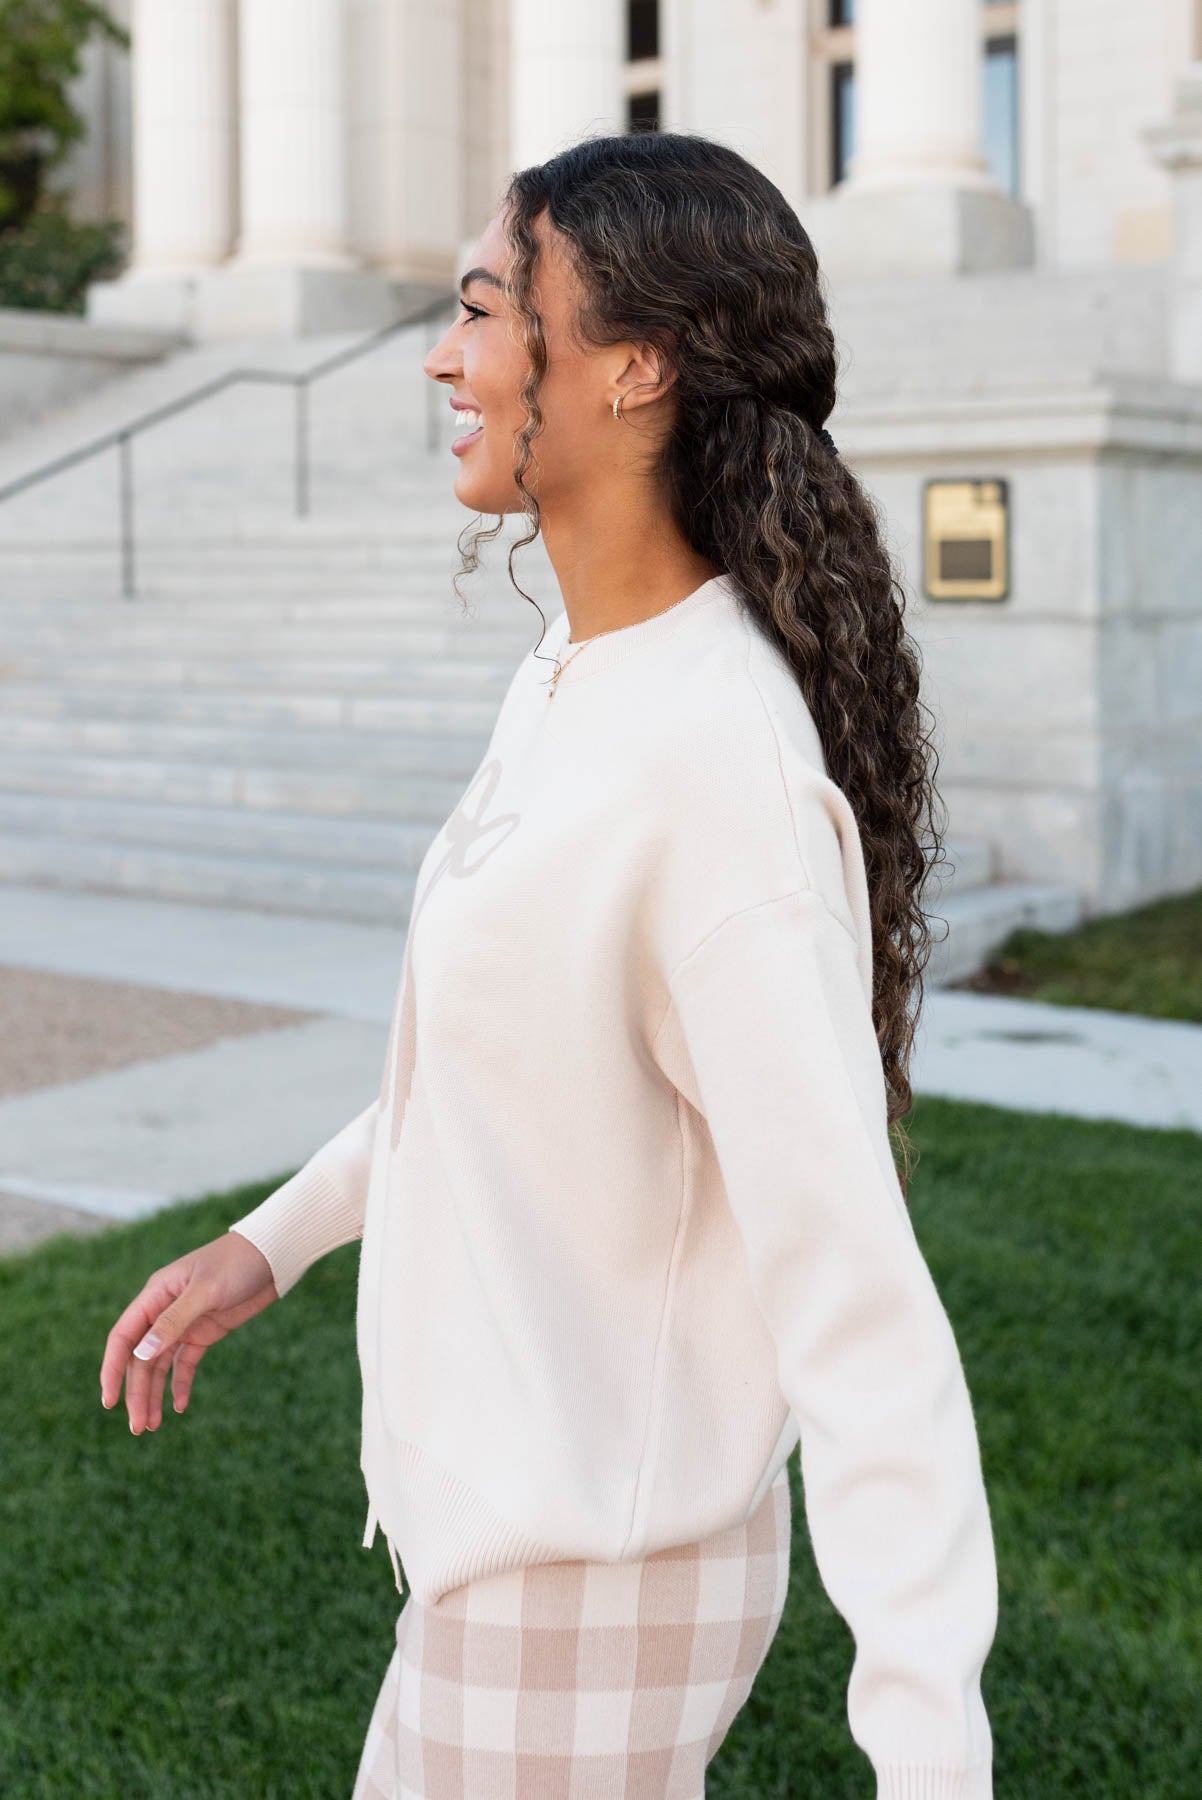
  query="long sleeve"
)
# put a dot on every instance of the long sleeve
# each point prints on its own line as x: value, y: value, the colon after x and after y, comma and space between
x: 318, y: 1208
x: 777, y: 1030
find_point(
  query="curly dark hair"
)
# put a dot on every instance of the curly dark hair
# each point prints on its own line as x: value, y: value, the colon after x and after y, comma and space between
x: 681, y: 244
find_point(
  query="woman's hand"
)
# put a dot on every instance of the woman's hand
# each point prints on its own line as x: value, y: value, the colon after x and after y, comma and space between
x: 184, y: 1307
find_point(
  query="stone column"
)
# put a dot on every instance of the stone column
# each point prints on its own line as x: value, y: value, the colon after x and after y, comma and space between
x: 293, y: 138
x: 566, y: 62
x: 295, y: 272
x: 738, y: 74
x: 183, y: 118
x: 1177, y: 147
x: 918, y: 95
x: 919, y: 197
x: 183, y: 133
x: 406, y: 137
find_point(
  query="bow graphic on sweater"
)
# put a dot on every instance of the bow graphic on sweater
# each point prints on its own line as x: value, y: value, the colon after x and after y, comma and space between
x: 465, y: 831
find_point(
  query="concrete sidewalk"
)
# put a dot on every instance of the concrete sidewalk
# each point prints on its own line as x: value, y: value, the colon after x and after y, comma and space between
x: 260, y: 1036
x: 1062, y: 1059
x: 258, y: 1090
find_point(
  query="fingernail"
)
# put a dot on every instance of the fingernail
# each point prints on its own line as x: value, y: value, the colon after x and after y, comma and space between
x: 148, y: 1347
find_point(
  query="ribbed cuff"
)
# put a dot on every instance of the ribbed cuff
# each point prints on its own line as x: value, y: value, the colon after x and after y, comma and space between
x: 934, y: 1781
x: 301, y: 1221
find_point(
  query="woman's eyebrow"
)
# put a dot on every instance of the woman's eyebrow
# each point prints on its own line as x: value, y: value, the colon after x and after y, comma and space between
x: 485, y: 275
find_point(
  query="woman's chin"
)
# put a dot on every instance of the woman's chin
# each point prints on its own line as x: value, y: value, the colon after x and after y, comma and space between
x: 467, y: 491
x: 481, y: 496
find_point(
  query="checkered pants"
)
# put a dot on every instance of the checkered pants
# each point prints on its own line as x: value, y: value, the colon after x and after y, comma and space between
x: 580, y: 1680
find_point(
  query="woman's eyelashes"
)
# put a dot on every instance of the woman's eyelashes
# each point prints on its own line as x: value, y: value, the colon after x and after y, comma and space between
x: 474, y: 312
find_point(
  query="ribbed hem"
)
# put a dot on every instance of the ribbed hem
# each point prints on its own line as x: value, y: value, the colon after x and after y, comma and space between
x: 301, y: 1221
x: 446, y: 1532
x: 934, y: 1781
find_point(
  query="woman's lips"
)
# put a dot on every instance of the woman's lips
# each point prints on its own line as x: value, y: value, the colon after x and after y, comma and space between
x: 475, y: 430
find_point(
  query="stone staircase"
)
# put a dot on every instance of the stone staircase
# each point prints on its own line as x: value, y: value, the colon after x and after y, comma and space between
x: 288, y: 710
x: 289, y: 740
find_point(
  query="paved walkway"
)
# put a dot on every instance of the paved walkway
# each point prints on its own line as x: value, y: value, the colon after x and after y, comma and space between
x: 210, y: 1047
x: 1067, y: 1059
x: 175, y: 1050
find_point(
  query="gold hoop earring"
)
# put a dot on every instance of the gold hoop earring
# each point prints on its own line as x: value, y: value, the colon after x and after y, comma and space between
x: 617, y: 408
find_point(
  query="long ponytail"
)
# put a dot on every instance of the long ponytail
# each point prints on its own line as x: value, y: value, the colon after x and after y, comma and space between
x: 682, y: 244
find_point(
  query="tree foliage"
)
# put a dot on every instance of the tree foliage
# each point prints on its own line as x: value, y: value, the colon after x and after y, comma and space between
x: 42, y: 45
x: 48, y: 263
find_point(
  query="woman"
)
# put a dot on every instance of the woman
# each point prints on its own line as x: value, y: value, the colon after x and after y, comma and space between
x: 631, y: 1223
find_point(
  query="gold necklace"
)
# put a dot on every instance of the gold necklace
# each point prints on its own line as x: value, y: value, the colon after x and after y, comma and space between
x: 599, y: 634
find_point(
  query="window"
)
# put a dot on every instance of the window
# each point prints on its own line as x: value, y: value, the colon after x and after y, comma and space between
x: 1000, y: 111
x: 843, y: 118
x: 642, y: 111
x: 644, y: 72
x: 642, y: 30
x: 830, y: 91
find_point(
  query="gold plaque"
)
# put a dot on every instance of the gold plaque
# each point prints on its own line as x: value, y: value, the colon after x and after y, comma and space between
x: 966, y: 540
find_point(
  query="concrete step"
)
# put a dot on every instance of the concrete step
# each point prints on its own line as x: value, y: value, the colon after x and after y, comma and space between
x: 227, y: 637
x: 339, y: 600
x: 397, y: 753
x: 350, y: 873
x: 330, y: 630
x: 981, y: 919
x: 283, y: 673
x: 186, y: 573
x: 344, y: 866
x: 233, y: 708
x: 382, y: 593
x: 967, y: 863
x: 374, y: 794
x: 418, y: 531
x: 377, y: 896
x: 422, y: 529
x: 189, y: 553
x: 381, y: 844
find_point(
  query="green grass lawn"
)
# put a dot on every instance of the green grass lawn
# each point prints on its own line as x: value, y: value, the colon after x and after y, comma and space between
x: 1149, y: 961
x: 189, y: 1613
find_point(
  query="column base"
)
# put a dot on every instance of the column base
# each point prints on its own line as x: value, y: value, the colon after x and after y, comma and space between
x: 923, y: 229
x: 159, y: 299
x: 229, y: 302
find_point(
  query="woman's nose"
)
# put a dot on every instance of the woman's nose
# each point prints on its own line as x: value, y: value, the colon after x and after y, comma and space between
x: 440, y: 363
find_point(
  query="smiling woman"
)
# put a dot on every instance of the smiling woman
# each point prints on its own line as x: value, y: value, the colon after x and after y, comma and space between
x: 632, y: 1223
x: 485, y: 360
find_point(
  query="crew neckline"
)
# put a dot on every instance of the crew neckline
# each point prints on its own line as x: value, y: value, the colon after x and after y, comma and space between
x: 607, y: 648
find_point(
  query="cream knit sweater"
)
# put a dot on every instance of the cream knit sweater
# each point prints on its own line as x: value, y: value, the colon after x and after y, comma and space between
x: 630, y: 1224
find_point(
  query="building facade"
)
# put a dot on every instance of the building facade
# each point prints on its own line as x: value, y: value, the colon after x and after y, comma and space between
x: 1006, y: 197
x: 412, y: 114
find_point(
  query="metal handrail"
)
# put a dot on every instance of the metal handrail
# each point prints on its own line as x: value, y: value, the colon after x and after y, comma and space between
x: 300, y: 380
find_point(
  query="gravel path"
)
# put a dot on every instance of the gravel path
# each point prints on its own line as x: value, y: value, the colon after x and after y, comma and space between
x: 56, y: 1028
x: 24, y: 1222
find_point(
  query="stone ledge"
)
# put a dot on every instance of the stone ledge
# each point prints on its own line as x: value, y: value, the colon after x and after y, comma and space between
x: 27, y: 332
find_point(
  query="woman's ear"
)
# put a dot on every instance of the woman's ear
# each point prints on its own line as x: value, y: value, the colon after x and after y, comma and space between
x: 645, y: 376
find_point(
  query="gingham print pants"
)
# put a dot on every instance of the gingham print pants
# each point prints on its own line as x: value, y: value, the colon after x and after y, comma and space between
x: 580, y: 1680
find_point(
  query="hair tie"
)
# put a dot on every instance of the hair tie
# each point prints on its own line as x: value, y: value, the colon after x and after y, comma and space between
x: 829, y: 441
